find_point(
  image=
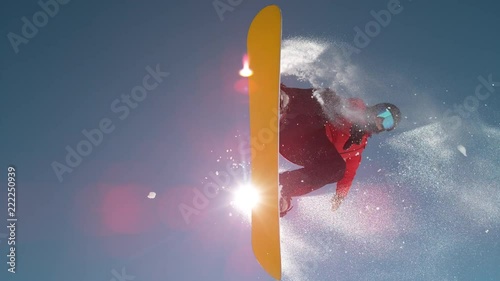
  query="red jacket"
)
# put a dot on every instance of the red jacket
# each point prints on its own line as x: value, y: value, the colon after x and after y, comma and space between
x: 338, y: 133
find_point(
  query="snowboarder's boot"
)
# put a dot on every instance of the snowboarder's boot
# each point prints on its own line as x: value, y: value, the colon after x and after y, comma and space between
x: 284, y: 99
x: 285, y: 205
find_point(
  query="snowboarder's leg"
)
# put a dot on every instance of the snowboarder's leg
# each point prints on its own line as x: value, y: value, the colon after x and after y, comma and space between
x: 321, y: 162
x: 303, y: 141
x: 295, y: 101
x: 295, y: 134
x: 302, y: 118
x: 308, y: 179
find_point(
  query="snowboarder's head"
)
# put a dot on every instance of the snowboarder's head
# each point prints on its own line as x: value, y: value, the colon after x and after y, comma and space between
x: 383, y: 117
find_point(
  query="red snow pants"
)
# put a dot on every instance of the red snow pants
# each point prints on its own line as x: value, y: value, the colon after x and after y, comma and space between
x: 303, y: 141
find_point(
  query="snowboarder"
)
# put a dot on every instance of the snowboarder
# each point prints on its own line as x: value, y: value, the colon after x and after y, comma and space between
x: 326, y: 135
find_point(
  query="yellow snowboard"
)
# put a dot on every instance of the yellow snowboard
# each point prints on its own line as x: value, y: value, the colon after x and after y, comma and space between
x: 264, y: 49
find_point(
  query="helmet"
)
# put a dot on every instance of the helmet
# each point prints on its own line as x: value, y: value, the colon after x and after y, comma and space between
x: 390, y: 114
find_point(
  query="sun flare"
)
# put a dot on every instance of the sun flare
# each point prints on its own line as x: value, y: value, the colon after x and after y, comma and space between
x: 246, y: 197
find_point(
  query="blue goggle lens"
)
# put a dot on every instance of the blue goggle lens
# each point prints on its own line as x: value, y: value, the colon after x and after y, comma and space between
x: 388, y: 122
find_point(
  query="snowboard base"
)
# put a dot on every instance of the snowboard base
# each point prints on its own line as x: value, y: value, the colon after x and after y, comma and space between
x: 264, y: 51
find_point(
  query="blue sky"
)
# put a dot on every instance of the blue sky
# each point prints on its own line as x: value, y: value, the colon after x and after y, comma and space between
x: 439, y: 215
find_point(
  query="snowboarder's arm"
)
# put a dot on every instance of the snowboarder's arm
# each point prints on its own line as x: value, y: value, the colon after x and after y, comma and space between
x: 345, y: 183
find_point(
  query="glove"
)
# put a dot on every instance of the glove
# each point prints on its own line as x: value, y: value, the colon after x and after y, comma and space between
x: 356, y: 136
x: 336, y: 202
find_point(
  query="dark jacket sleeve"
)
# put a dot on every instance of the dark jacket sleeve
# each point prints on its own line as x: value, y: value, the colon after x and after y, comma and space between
x: 353, y: 162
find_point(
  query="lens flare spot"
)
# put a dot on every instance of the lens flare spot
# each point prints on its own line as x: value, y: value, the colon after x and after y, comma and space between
x: 246, y: 71
x: 246, y: 197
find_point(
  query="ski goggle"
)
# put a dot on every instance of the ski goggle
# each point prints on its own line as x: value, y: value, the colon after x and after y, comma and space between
x: 388, y: 120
